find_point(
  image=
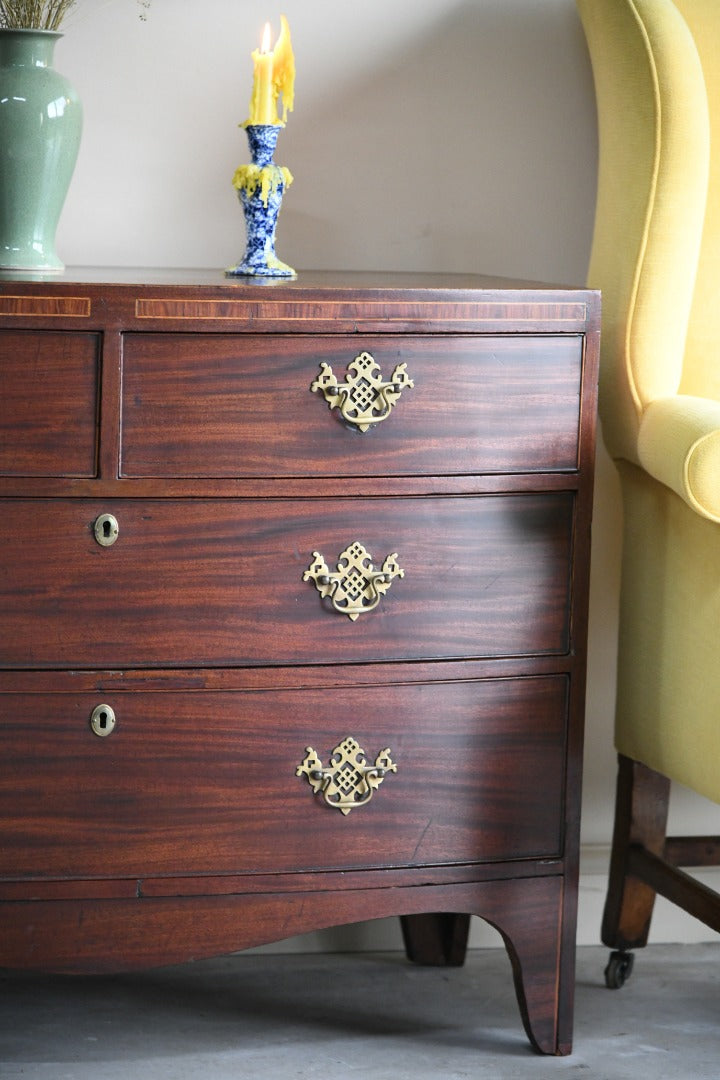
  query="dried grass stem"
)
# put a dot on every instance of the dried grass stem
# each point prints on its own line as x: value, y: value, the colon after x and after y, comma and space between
x: 33, y: 14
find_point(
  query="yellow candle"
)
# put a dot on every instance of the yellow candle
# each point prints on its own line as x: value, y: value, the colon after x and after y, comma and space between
x: 262, y: 103
x: 274, y: 74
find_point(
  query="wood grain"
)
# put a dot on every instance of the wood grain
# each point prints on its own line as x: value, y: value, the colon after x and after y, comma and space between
x: 218, y: 405
x: 49, y: 403
x: 217, y: 583
x: 202, y: 783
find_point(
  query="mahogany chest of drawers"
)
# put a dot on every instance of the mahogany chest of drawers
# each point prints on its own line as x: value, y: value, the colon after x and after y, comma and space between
x: 293, y: 585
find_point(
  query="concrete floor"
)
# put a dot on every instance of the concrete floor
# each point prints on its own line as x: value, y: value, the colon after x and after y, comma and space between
x: 337, y: 1017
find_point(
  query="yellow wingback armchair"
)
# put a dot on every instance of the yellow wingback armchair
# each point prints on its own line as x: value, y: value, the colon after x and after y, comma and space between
x: 656, y: 257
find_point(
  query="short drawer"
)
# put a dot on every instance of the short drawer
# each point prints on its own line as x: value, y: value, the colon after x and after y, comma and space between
x: 201, y: 405
x: 48, y: 403
x: 226, y: 583
x: 207, y: 782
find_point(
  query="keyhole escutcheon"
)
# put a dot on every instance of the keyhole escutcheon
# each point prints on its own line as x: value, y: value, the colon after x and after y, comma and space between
x: 103, y: 720
x: 106, y: 530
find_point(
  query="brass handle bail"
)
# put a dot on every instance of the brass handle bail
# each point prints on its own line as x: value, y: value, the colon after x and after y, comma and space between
x: 363, y: 399
x: 350, y: 780
x: 356, y: 586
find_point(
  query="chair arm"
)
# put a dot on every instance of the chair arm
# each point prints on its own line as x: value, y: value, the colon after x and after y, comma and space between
x: 679, y: 444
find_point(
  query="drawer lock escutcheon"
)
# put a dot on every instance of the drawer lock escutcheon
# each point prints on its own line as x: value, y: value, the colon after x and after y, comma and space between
x: 106, y: 530
x: 363, y: 399
x: 355, y: 587
x: 103, y: 721
x: 350, y: 780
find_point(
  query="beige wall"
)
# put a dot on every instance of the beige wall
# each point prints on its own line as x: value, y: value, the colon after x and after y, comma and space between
x: 454, y: 135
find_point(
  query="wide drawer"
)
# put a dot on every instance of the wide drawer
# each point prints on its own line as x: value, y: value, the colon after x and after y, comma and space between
x: 207, y: 783
x: 224, y: 583
x: 48, y: 403
x: 242, y: 406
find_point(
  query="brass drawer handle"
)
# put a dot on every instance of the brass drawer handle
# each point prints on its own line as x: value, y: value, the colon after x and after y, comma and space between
x: 106, y: 530
x: 350, y: 780
x: 363, y: 399
x: 356, y: 587
x: 103, y: 720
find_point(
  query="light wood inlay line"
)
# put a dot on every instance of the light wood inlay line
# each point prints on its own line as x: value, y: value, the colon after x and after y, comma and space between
x: 329, y: 311
x: 78, y: 307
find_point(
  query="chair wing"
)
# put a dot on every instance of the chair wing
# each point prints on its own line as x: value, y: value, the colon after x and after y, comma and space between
x: 654, y: 138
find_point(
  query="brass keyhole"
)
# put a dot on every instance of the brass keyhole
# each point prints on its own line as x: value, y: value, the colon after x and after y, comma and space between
x: 103, y: 720
x: 106, y: 530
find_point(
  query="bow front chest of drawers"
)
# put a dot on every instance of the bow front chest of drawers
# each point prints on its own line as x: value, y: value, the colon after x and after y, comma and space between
x: 293, y: 587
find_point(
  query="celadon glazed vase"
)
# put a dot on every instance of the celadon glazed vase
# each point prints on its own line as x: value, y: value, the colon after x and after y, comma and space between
x: 40, y: 129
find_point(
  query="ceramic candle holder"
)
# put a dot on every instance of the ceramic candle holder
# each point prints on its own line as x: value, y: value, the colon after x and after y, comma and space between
x: 260, y: 187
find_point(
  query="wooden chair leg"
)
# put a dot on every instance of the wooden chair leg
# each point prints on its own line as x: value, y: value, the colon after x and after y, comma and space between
x: 641, y: 811
x: 436, y: 940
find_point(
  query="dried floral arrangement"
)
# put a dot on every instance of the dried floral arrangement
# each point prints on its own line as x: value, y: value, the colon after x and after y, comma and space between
x: 33, y: 14
x: 43, y: 14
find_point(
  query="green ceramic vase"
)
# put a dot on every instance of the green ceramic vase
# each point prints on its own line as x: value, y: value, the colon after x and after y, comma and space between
x: 40, y: 128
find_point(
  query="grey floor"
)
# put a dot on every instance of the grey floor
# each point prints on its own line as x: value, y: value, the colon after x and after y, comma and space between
x: 340, y: 1017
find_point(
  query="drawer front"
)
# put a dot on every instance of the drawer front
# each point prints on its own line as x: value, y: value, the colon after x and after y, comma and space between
x: 48, y: 403
x: 206, y: 782
x: 230, y: 406
x: 221, y: 582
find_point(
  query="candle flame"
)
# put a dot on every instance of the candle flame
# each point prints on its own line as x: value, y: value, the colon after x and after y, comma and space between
x: 265, y: 46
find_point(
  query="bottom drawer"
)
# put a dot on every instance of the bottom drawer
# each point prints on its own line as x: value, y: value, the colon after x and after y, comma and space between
x: 205, y: 782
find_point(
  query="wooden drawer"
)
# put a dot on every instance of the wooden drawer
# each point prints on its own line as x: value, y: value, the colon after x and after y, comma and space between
x: 220, y: 582
x: 229, y: 406
x: 205, y: 782
x: 48, y: 403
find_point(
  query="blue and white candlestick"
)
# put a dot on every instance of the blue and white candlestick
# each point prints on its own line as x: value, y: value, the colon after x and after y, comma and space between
x: 260, y: 188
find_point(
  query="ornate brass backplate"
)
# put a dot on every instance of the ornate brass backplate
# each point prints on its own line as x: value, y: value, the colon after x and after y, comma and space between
x: 363, y: 399
x: 350, y: 780
x: 355, y: 587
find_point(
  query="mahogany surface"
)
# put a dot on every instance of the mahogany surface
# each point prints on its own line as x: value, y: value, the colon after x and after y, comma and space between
x: 181, y: 403
x: 245, y: 812
x: 220, y: 582
x: 202, y: 405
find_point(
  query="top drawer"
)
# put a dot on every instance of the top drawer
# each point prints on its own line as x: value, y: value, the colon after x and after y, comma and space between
x: 205, y: 405
x: 48, y: 403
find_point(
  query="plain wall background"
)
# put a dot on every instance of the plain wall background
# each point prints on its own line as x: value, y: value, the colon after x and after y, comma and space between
x: 438, y: 135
